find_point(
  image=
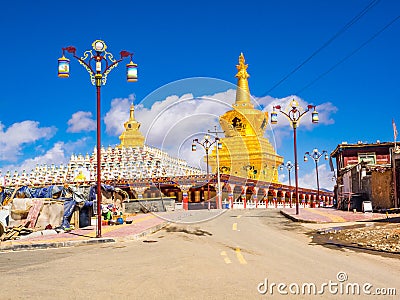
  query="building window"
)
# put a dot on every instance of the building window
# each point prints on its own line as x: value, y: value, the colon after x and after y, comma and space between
x: 369, y: 158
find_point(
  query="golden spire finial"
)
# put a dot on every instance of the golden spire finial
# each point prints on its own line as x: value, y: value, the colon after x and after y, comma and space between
x: 242, y: 92
x: 242, y: 68
x: 132, y: 112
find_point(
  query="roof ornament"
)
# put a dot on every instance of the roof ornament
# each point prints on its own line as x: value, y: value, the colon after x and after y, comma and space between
x: 242, y: 92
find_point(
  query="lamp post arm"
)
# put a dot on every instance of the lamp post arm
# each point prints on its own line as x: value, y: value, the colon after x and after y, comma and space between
x: 70, y: 49
x: 113, y: 65
x: 308, y: 154
x: 285, y: 114
x: 108, y: 70
x: 89, y: 55
x: 291, y: 115
x: 85, y: 64
x: 303, y: 113
x: 206, y: 144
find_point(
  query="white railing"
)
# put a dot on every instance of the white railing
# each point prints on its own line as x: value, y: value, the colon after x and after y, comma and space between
x: 251, y: 204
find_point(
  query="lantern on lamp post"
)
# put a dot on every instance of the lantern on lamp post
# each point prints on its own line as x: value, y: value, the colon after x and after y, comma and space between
x: 131, y: 71
x: 63, y: 67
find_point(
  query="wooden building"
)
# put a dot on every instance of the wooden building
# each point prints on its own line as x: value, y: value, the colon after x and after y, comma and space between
x: 365, y: 172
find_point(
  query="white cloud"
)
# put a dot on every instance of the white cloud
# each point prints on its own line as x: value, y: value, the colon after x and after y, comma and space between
x: 55, y: 155
x: 78, y: 146
x: 177, y: 119
x: 309, y: 180
x: 282, y: 178
x: 81, y: 121
x: 58, y: 154
x: 117, y: 115
x: 19, y: 134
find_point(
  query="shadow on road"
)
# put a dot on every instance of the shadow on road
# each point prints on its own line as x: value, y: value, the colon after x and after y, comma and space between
x: 197, y: 232
x: 344, y: 246
x: 386, y: 220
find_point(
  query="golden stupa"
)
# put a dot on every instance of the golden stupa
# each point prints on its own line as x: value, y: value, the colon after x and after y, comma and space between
x: 131, y: 137
x: 245, y: 151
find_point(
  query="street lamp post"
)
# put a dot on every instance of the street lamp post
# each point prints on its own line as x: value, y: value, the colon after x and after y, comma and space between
x: 289, y: 166
x: 316, y: 155
x: 98, y: 64
x: 206, y: 144
x: 219, y: 145
x: 294, y: 113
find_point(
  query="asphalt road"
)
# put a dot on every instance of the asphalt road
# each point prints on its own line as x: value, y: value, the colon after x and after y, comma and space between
x: 231, y: 256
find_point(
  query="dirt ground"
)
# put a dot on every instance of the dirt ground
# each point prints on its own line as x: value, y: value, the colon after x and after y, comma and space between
x: 374, y: 236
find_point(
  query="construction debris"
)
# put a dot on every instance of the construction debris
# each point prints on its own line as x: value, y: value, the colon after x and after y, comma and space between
x: 14, y: 232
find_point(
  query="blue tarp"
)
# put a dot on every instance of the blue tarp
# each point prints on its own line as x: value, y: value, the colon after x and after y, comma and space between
x: 4, y: 194
x: 104, y: 187
x: 43, y: 192
x: 46, y: 192
x: 69, y: 206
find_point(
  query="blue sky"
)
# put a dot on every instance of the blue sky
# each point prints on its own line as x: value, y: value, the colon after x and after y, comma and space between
x: 176, y: 40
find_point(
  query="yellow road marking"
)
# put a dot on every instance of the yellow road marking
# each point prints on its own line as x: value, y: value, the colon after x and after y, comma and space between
x: 226, y: 258
x: 332, y: 217
x: 240, y: 256
x: 234, y: 226
x: 239, y: 216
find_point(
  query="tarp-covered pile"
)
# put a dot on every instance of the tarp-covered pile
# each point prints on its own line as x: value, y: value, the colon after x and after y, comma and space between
x: 52, y: 206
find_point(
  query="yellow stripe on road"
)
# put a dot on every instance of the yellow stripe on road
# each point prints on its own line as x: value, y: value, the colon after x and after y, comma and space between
x: 234, y: 226
x: 239, y: 216
x: 333, y: 218
x: 226, y: 258
x: 240, y: 256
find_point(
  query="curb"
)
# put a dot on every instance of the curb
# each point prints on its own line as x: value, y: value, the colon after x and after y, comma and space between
x: 294, y: 219
x: 93, y: 241
x: 55, y: 244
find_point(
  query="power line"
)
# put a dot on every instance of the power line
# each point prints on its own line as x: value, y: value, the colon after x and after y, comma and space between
x: 349, y: 55
x: 336, y: 35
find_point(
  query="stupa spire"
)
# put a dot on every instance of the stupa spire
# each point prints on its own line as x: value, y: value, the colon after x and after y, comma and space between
x: 132, y: 113
x: 242, y: 92
x: 245, y: 151
x: 131, y: 136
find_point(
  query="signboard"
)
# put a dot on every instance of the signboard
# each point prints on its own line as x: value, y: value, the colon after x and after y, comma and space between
x: 367, y: 206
